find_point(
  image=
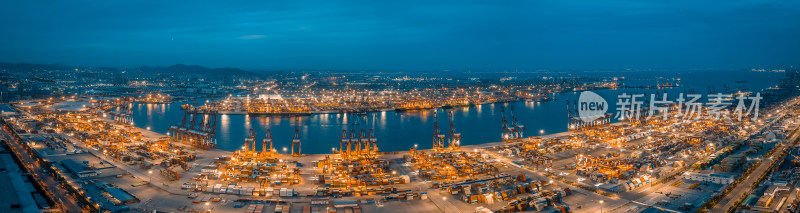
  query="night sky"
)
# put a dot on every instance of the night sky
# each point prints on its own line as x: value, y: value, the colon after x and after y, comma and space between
x: 405, y: 35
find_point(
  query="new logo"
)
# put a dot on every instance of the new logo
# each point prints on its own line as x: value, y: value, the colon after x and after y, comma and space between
x: 591, y: 106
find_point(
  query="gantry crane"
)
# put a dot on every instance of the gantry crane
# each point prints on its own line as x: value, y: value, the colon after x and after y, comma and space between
x: 373, y: 142
x: 455, y: 137
x: 353, y: 142
x: 518, y: 129
x: 296, y: 139
x: 344, y: 143
x: 194, y: 116
x: 507, y: 131
x: 202, y: 135
x: 267, y: 140
x: 438, y: 138
x: 358, y: 144
x: 250, y: 142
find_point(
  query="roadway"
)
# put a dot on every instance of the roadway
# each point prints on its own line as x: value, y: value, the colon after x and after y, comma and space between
x: 64, y: 200
x: 745, y: 186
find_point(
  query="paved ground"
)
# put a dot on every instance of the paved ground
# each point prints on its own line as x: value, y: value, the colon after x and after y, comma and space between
x: 64, y: 200
x: 745, y: 186
x: 167, y: 196
x: 580, y: 200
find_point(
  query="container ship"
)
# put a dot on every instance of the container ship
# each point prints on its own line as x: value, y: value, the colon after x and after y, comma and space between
x: 415, y: 104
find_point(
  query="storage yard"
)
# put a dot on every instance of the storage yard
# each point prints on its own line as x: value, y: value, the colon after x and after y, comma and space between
x: 635, y: 165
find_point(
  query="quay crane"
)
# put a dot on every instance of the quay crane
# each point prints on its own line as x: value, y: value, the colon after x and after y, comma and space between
x: 361, y: 145
x: 508, y: 132
x: 373, y: 142
x: 438, y: 138
x: 250, y: 142
x: 194, y: 116
x: 570, y: 118
x: 353, y: 143
x: 124, y: 112
x: 455, y: 137
x: 511, y: 132
x: 518, y: 129
x: 296, y: 139
x: 179, y: 132
x: 344, y: 143
x: 358, y: 144
x: 267, y: 140
x: 574, y: 121
x: 359, y: 171
x: 203, y: 135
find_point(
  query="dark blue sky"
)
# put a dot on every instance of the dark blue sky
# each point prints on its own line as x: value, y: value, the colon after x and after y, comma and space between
x: 405, y: 35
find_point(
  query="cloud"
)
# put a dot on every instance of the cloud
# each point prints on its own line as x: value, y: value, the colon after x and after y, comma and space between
x: 412, y: 34
x: 250, y: 37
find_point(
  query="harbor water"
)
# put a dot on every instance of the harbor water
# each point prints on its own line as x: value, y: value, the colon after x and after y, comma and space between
x: 397, y: 131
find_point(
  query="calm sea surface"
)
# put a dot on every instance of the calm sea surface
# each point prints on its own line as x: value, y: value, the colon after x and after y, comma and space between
x: 401, y: 130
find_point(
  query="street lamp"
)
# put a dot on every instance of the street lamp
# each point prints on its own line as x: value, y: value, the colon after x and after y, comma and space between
x: 601, y: 206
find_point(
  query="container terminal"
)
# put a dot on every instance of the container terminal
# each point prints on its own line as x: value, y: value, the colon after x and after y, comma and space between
x: 315, y: 106
x: 88, y: 150
x: 89, y: 146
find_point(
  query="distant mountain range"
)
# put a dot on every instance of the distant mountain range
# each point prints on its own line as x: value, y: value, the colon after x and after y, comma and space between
x: 179, y: 69
x: 24, y: 67
x: 193, y: 69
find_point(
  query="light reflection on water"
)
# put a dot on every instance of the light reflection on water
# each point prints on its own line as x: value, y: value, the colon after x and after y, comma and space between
x: 395, y: 130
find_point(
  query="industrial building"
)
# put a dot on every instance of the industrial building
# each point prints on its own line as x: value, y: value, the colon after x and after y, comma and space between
x: 710, y: 177
x: 78, y: 169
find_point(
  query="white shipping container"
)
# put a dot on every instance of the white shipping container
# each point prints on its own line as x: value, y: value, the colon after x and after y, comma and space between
x: 319, y: 201
x: 249, y: 191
